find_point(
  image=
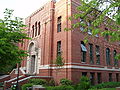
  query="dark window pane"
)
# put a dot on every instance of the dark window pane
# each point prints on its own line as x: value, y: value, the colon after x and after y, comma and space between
x: 97, y: 54
x: 58, y: 48
x: 115, y: 60
x: 39, y: 27
x: 91, y: 53
x: 59, y: 24
x: 83, y: 52
x: 35, y: 29
x: 32, y: 31
x: 99, y: 77
x: 108, y: 56
x: 110, y: 77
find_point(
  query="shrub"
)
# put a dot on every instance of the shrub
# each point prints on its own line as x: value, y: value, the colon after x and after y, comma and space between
x: 107, y: 85
x: 25, y: 86
x: 38, y: 81
x: 84, y: 83
x: 65, y: 82
x: 51, y: 83
x: 63, y: 87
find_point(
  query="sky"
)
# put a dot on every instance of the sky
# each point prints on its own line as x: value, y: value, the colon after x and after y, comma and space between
x: 22, y: 8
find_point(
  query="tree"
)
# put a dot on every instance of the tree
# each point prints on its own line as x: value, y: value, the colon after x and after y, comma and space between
x: 11, y: 33
x: 98, y: 13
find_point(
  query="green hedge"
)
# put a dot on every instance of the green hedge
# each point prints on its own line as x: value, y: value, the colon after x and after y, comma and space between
x: 84, y: 83
x: 107, y: 85
x: 38, y: 81
x: 63, y: 87
x: 25, y: 86
x: 64, y: 81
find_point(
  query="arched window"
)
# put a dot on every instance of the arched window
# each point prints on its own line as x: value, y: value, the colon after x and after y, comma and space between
x: 106, y: 35
x: 35, y: 29
x: 108, y: 56
x: 97, y: 54
x: 115, y: 60
x: 32, y: 31
x: 39, y: 28
x: 91, y: 53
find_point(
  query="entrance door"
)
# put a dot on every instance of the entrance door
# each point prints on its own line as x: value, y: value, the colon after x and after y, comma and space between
x: 32, y: 64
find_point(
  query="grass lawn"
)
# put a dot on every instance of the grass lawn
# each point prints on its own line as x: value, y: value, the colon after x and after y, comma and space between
x: 104, y: 89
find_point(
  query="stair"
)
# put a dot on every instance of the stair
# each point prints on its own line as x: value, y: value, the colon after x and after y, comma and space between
x: 23, y: 80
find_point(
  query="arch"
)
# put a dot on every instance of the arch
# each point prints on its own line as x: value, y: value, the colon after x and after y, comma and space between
x: 108, y: 56
x: 32, y: 58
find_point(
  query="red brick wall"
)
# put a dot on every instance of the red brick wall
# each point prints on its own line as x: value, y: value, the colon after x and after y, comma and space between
x: 70, y: 42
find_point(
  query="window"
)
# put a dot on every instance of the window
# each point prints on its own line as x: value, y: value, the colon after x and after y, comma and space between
x: 117, y: 77
x: 35, y: 29
x: 32, y: 31
x: 110, y: 77
x: 59, y: 24
x: 81, y: 27
x: 84, y: 73
x: 99, y: 78
x: 92, y: 78
x: 83, y: 52
x: 97, y: 54
x: 89, y: 30
x: 39, y: 27
x: 115, y: 60
x: 91, y: 53
x: 108, y: 56
x: 58, y: 48
x: 106, y: 35
x: 22, y: 43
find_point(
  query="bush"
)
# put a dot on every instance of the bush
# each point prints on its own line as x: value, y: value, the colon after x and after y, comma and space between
x: 65, y: 82
x: 64, y: 87
x: 25, y: 86
x: 38, y: 81
x: 51, y: 83
x: 107, y: 85
x: 84, y: 83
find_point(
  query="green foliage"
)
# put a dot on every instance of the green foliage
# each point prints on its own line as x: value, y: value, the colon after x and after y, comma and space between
x: 1, y: 84
x: 13, y: 87
x: 11, y: 33
x: 64, y: 81
x: 93, y: 11
x: 51, y: 82
x: 104, y: 89
x: 38, y: 81
x: 106, y: 85
x: 25, y: 86
x: 84, y: 83
x: 59, y: 61
x: 60, y: 88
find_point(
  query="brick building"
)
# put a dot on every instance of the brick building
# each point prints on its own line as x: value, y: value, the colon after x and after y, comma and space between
x: 95, y: 59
